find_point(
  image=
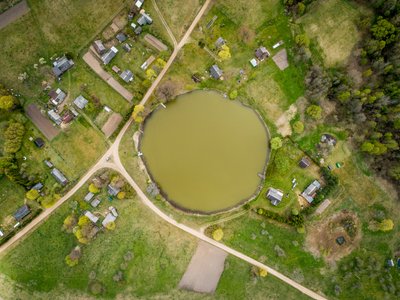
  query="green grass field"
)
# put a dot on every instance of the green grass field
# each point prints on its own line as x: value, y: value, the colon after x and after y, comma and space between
x: 321, y: 22
x: 11, y: 197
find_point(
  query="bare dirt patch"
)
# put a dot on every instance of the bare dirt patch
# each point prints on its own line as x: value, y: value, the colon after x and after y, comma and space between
x: 281, y: 59
x: 321, y: 238
x: 112, y: 124
x: 41, y: 122
x: 283, y: 123
x: 204, y: 270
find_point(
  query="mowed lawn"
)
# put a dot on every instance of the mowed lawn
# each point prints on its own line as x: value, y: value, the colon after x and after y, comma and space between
x: 11, y: 197
x: 50, y: 28
x: 332, y: 23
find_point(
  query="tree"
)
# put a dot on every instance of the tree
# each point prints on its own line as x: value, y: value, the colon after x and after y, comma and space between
x: 383, y: 30
x: 394, y: 172
x: 13, y: 137
x: 110, y: 226
x: 32, y: 194
x: 386, y: 225
x: 150, y: 74
x: 83, y: 220
x: 233, y: 94
x: 69, y: 223
x: 167, y: 91
x: 7, y: 102
x: 121, y: 195
x: 262, y: 272
x: 298, y: 127
x: 318, y: 83
x: 314, y: 111
x: 138, y: 113
x: 276, y: 143
x: 224, y: 53
x: 218, y: 234
x: 302, y: 40
x: 301, y: 8
x: 93, y: 189
x: 72, y: 259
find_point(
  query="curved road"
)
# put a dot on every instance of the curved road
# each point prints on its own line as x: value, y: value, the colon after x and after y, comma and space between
x: 112, y: 160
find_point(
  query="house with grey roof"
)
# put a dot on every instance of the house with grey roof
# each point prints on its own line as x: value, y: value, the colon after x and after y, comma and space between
x: 139, y: 3
x: 22, y: 212
x: 262, y: 53
x: 109, y: 55
x: 219, y: 42
x: 108, y: 219
x: 127, y: 47
x: 275, y: 196
x: 38, y: 186
x: 99, y: 47
x: 55, y: 117
x: 59, y: 177
x: 311, y: 191
x: 126, y: 76
x: 216, y: 72
x: 95, y: 202
x: 121, y: 37
x: 138, y: 30
x: 88, y: 197
x: 57, y: 96
x: 112, y: 190
x: 304, y: 163
x: 144, y: 19
x: 91, y: 217
x: 62, y: 65
x: 81, y: 102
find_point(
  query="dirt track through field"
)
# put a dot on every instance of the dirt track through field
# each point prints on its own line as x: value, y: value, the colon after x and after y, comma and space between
x: 41, y: 122
x: 14, y: 13
x: 112, y: 124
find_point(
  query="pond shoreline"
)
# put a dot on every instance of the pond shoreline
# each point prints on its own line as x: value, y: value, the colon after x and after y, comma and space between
x: 194, y: 212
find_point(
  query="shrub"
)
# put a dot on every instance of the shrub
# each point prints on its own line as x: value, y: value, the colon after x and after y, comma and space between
x: 83, y: 220
x: 386, y: 225
x: 218, y: 234
x: 262, y: 272
x: 110, y: 226
x: 121, y: 195
x: 32, y: 195
x: 69, y: 223
x: 298, y: 127
x: 93, y: 189
x: 233, y: 94
x: 314, y: 111
x: 276, y: 143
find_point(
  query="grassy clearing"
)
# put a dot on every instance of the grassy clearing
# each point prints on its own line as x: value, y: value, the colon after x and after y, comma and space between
x: 179, y: 14
x: 11, y: 197
x: 50, y: 28
x: 321, y: 22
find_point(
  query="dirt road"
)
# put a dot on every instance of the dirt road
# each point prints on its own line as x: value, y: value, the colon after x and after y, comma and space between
x: 42, y: 123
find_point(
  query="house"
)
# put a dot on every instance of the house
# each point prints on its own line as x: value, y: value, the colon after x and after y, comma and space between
x: 310, y: 192
x: 59, y: 176
x: 109, y: 55
x: 57, y: 96
x: 121, y: 37
x: 22, y: 212
x: 39, y: 142
x: 108, y: 219
x: 38, y: 186
x: 95, y: 202
x: 138, y: 30
x: 73, y: 111
x: 99, y: 47
x: 62, y: 65
x: 81, y: 102
x: 88, y: 197
x: 145, y: 19
x: 262, y: 53
x: 55, y: 117
x: 91, y: 217
x: 219, y: 42
x: 67, y: 117
x: 304, y: 163
x: 148, y: 62
x: 48, y: 163
x: 127, y: 47
x: 113, y: 191
x: 113, y: 211
x: 139, y: 3
x: 275, y: 196
x: 254, y: 62
x: 216, y: 72
x: 126, y: 76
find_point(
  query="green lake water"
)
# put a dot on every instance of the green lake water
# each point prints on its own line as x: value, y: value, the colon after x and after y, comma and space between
x: 205, y: 152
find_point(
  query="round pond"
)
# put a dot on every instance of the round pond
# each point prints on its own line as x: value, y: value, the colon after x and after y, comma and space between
x: 205, y: 152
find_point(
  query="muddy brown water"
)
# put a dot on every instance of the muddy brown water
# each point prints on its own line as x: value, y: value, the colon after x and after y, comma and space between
x: 205, y: 152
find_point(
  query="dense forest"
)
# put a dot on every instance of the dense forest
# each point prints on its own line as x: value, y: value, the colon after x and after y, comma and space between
x: 369, y: 108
